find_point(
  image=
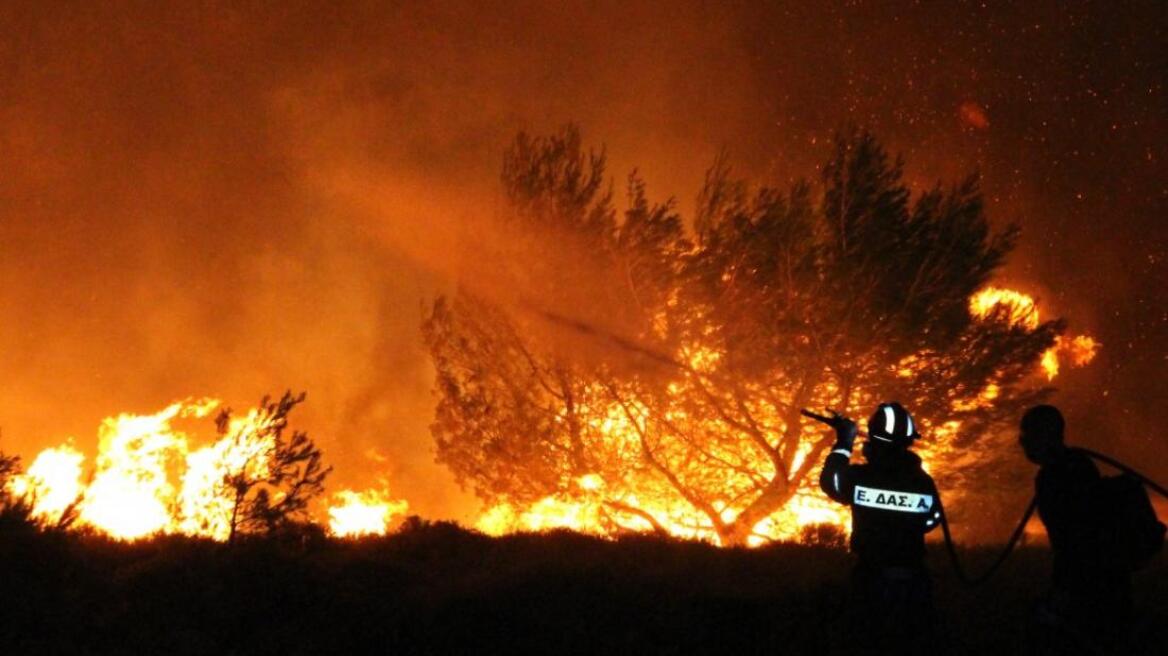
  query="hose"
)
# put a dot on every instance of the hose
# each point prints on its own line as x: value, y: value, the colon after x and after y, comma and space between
x: 1123, y: 468
x: 1021, y: 527
x: 993, y: 568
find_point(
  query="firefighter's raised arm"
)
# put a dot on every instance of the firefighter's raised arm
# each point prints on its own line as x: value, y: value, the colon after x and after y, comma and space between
x: 834, y: 480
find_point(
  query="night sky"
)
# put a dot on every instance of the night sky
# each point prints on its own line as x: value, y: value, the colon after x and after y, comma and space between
x: 226, y: 201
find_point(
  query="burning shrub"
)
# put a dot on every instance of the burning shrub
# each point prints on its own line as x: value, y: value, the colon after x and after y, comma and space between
x: 9, y: 467
x: 824, y: 535
x: 254, y: 478
x: 15, y: 507
x: 268, y: 477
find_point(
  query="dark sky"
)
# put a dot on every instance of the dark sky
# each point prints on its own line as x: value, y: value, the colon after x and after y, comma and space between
x: 228, y: 199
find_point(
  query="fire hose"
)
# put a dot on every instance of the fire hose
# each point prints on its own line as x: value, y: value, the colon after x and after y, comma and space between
x: 1016, y: 535
x: 951, y: 548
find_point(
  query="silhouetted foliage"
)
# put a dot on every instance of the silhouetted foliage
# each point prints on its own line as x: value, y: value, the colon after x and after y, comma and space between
x: 15, y: 510
x: 824, y: 535
x: 437, y: 588
x: 271, y: 487
x: 703, y: 346
x: 9, y: 467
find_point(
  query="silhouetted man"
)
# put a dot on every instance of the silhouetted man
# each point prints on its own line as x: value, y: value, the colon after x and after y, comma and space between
x: 894, y: 503
x: 1090, y: 592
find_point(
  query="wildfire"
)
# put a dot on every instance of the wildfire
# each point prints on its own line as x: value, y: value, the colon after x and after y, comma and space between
x: 806, y: 509
x: 363, y: 513
x: 1079, y: 350
x: 600, y: 504
x: 1020, y: 309
x: 1017, y: 308
x: 131, y: 495
x: 147, y: 479
x: 545, y: 514
x: 52, y: 482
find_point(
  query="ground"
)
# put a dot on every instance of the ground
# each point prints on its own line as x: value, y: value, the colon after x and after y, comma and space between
x: 436, y: 588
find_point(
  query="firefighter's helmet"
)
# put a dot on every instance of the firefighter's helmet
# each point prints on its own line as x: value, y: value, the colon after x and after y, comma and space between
x: 892, y: 424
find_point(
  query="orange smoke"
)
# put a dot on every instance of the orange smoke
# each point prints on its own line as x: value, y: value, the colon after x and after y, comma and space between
x: 973, y: 115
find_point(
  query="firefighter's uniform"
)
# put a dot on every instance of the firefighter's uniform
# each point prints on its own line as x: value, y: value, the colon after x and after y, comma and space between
x: 894, y: 504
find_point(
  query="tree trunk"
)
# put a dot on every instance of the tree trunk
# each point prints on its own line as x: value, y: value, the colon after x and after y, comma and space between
x: 772, y: 499
x: 234, y: 518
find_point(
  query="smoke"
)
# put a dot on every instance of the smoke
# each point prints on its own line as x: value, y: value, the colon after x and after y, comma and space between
x: 226, y: 200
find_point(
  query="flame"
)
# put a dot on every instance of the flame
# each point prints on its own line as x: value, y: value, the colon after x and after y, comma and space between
x: 205, y: 503
x: 1050, y: 363
x: 52, y: 482
x: 602, y: 503
x: 804, y: 510
x: 1019, y: 309
x: 548, y: 513
x: 807, y: 508
x: 600, y: 508
x: 147, y: 480
x: 1080, y: 349
x: 363, y: 513
x: 131, y: 495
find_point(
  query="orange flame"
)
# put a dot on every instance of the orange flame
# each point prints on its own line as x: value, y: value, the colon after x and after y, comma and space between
x: 147, y: 479
x: 595, y: 503
x: 363, y: 513
x: 1017, y: 308
x: 52, y: 482
x: 131, y: 495
x: 1020, y: 309
x: 133, y: 492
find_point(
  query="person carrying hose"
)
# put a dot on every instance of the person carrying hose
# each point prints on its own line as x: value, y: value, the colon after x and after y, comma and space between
x: 1090, y: 594
x: 894, y: 504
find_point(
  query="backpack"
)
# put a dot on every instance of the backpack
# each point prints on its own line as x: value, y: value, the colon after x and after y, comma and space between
x: 1130, y: 524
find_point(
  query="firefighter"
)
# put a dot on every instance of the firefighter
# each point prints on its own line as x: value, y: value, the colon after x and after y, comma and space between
x: 1090, y: 595
x: 894, y: 504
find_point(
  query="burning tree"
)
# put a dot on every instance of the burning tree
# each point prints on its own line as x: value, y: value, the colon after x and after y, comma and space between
x: 651, y: 377
x: 265, y: 478
x: 270, y: 476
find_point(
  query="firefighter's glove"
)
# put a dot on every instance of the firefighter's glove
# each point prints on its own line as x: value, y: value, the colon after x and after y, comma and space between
x: 845, y: 431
